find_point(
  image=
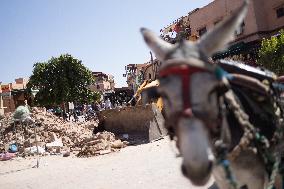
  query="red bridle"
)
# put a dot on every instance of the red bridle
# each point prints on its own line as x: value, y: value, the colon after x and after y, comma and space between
x: 185, y: 72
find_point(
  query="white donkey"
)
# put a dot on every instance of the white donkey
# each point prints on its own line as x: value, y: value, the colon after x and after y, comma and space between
x: 209, y: 117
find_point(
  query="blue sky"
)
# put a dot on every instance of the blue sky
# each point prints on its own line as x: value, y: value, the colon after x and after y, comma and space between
x: 104, y: 34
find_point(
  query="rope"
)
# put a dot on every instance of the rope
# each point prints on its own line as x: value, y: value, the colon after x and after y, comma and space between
x: 250, y: 134
x: 249, y: 130
x: 222, y: 151
x: 229, y: 175
x: 274, y: 174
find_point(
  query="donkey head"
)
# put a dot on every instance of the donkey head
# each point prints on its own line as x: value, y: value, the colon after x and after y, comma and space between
x: 187, y: 85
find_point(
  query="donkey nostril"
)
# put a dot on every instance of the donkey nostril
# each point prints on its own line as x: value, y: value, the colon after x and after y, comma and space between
x: 183, y: 170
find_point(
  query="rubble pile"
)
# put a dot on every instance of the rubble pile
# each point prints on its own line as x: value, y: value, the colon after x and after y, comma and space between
x: 101, y: 143
x: 54, y: 135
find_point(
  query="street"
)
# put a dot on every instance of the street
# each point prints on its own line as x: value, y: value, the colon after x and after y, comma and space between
x: 152, y: 165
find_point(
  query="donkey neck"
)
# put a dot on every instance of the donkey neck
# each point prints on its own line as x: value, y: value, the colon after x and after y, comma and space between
x: 260, y: 114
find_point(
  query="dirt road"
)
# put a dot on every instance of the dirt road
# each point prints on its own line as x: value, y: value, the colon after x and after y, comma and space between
x: 151, y: 165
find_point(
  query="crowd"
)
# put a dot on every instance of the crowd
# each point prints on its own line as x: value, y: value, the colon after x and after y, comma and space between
x: 88, y: 111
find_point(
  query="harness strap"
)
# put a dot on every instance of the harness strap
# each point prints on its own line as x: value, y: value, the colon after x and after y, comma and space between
x: 185, y: 91
x: 185, y: 72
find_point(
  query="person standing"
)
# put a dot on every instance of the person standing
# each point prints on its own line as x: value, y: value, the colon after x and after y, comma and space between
x: 85, y: 107
x: 71, y: 109
x: 108, y: 104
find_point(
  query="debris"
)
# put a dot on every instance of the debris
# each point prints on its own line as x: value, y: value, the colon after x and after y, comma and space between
x: 55, y: 136
x: 105, y: 152
x: 21, y: 113
x: 13, y: 148
x: 118, y: 144
x: 33, y: 150
x: 56, y: 143
x: 6, y: 156
x: 101, y: 143
x: 66, y: 153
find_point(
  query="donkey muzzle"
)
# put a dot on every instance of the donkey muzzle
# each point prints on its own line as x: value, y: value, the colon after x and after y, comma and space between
x: 194, y: 147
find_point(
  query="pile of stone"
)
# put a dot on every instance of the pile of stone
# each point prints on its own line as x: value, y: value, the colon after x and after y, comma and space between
x: 54, y: 135
x: 100, y: 144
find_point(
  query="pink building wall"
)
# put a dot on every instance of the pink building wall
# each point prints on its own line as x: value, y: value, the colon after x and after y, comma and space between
x: 261, y: 20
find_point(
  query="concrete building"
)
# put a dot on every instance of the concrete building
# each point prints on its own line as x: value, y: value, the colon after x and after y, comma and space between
x: 137, y: 73
x: 103, y: 82
x: 13, y: 95
x: 264, y: 19
x: 151, y: 70
x: 134, y: 75
x: 1, y: 101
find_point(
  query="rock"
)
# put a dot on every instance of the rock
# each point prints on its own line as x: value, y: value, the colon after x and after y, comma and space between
x: 34, y: 150
x: 66, y: 153
x: 105, y: 152
x: 53, y: 136
x: 58, y: 150
x: 6, y: 147
x: 28, y: 143
x: 56, y: 143
x: 45, y: 134
x: 41, y: 144
x: 117, y: 144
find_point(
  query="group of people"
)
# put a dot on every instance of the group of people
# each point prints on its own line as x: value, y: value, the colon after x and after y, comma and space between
x: 87, y: 111
x: 103, y: 105
x: 107, y: 104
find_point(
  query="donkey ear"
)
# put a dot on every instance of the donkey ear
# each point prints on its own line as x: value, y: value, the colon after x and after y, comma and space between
x: 217, y: 39
x: 160, y: 47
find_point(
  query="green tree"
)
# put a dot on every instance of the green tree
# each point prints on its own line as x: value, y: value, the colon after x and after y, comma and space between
x: 61, y: 80
x: 271, y: 54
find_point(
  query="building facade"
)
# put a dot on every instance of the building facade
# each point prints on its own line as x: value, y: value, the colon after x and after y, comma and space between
x: 103, y: 82
x: 13, y: 95
x: 136, y: 74
x: 264, y: 19
x: 151, y: 70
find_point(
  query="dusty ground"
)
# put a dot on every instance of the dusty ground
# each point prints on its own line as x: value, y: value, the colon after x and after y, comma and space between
x: 151, y: 165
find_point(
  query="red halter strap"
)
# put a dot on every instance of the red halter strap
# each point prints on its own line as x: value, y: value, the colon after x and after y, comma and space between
x: 184, y: 71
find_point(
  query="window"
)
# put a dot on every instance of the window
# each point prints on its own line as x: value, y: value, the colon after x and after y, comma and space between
x: 98, y: 86
x: 280, y: 12
x: 202, y: 31
x: 149, y: 76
